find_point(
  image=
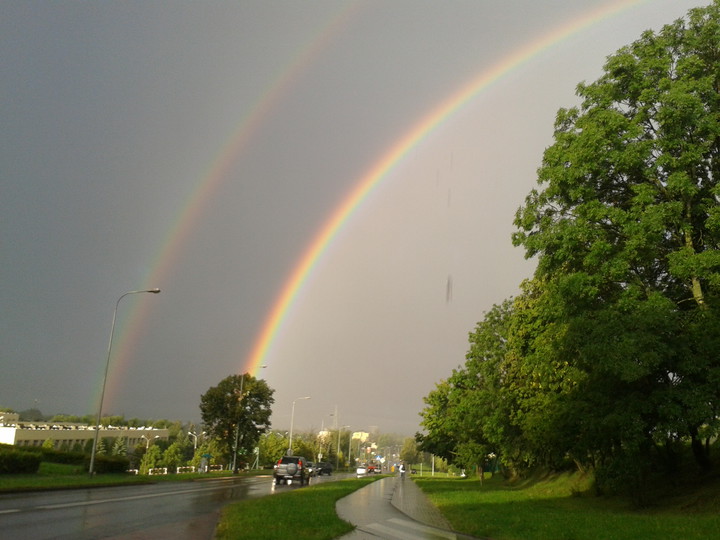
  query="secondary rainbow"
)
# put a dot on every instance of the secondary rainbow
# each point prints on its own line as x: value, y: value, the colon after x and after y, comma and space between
x: 380, y: 170
x: 217, y: 174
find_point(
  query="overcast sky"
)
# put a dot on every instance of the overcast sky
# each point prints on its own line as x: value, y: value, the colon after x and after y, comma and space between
x: 200, y: 147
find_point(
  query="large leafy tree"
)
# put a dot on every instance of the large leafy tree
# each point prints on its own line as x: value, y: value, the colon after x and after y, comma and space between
x: 237, y: 411
x: 467, y: 416
x: 626, y: 230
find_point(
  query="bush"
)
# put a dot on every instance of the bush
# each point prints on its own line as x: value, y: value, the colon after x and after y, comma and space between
x: 67, y: 458
x: 19, y: 462
x: 109, y: 464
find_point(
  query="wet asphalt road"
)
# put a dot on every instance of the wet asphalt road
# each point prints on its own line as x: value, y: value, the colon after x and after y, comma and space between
x: 177, y: 510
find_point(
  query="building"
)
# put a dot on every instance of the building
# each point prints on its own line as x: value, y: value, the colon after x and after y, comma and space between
x: 66, y: 435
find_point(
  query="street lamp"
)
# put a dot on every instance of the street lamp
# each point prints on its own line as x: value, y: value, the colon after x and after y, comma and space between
x: 194, y: 439
x: 147, y: 440
x: 350, y: 438
x: 292, y: 421
x: 107, y: 367
x: 337, y: 454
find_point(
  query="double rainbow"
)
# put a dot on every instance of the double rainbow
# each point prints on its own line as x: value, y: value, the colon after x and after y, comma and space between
x: 221, y: 165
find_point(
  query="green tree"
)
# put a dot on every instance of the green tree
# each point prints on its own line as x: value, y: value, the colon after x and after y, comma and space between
x: 31, y: 415
x: 237, y: 411
x: 101, y: 448
x: 304, y: 445
x: 626, y: 230
x: 470, y: 414
x: 409, y: 453
x: 173, y: 456
x: 119, y: 447
x: 151, y: 459
x: 273, y: 446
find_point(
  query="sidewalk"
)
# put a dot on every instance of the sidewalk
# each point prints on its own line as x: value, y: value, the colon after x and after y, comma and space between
x: 393, y: 508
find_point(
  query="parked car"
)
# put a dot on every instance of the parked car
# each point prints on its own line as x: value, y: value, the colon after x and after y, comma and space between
x: 312, y: 468
x: 291, y: 468
x: 323, y: 467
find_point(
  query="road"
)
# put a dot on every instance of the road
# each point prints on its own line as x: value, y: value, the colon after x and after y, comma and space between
x: 177, y: 510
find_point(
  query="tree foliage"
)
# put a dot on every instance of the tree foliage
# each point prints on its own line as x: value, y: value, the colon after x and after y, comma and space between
x: 608, y: 357
x: 237, y: 409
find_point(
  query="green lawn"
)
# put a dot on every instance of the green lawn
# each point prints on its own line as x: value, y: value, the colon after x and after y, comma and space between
x: 301, y: 514
x: 559, y: 508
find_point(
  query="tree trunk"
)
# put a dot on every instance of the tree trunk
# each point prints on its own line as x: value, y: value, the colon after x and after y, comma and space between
x: 695, y: 285
x: 701, y: 455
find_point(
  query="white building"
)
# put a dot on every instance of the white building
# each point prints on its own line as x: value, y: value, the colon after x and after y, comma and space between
x: 68, y: 434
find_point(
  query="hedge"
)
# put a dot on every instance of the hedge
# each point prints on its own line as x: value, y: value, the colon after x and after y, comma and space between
x: 108, y: 464
x: 19, y: 462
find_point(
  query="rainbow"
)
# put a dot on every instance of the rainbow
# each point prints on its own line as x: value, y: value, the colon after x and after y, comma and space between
x: 380, y: 170
x: 187, y: 218
x: 228, y: 154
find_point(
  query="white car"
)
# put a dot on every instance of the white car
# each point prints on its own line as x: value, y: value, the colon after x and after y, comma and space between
x: 362, y: 470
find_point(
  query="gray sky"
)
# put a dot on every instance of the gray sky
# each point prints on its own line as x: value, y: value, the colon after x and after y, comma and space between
x: 117, y: 116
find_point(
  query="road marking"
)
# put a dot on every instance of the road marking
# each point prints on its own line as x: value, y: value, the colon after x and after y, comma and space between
x: 114, y: 499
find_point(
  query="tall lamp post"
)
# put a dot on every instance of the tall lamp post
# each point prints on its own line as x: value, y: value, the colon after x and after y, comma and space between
x: 292, y: 421
x: 194, y: 436
x: 337, y: 454
x: 107, y: 367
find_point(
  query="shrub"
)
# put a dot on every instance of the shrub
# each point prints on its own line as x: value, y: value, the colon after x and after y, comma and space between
x: 67, y: 458
x: 109, y: 464
x: 19, y: 462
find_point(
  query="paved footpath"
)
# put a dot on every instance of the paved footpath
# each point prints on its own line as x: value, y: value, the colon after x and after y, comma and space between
x: 394, y: 508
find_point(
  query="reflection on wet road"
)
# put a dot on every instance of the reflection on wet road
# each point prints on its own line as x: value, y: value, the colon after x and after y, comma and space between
x: 187, y: 510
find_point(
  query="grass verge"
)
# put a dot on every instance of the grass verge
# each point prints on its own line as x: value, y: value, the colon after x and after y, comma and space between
x: 57, y: 476
x: 554, y: 509
x: 301, y: 514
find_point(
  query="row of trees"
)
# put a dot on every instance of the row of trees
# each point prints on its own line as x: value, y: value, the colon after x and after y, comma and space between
x: 610, y: 356
x: 236, y: 415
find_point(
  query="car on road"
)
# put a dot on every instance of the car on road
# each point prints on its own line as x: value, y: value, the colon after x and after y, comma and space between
x: 361, y: 470
x: 323, y: 467
x: 312, y: 468
x: 290, y: 469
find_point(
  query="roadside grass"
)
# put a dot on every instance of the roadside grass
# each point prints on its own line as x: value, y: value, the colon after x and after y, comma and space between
x: 301, y: 514
x: 59, y: 476
x: 559, y: 507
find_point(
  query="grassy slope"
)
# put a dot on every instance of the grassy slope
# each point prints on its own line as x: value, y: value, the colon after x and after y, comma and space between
x: 561, y: 507
x: 301, y: 514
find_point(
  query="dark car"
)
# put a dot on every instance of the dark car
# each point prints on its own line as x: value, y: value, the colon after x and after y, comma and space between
x: 291, y: 468
x: 323, y: 467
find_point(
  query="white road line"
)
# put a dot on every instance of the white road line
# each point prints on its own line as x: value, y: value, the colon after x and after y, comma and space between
x: 111, y: 500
